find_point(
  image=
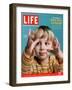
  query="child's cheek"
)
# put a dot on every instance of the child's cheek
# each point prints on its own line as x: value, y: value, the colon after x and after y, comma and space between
x: 50, y: 47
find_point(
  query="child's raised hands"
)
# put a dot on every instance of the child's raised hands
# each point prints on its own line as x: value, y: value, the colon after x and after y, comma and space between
x: 31, y: 43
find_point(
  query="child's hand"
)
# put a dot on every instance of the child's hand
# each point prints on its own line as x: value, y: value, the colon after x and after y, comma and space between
x: 31, y: 43
x: 57, y: 49
x: 56, y: 45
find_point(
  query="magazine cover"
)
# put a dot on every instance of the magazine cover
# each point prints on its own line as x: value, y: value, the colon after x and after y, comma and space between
x: 41, y: 44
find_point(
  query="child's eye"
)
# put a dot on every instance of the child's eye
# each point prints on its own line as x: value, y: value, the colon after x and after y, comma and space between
x: 46, y: 43
x: 38, y: 43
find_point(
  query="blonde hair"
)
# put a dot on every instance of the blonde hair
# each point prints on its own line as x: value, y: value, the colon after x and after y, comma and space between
x: 40, y: 33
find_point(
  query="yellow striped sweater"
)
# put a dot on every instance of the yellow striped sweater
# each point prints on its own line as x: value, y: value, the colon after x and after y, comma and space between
x: 31, y: 66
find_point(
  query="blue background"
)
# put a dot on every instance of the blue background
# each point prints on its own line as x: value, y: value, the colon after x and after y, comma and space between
x: 44, y: 19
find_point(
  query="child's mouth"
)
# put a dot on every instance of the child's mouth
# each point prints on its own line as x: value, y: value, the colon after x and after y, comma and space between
x: 42, y: 53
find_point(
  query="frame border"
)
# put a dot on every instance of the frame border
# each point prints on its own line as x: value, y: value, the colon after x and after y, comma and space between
x: 12, y: 43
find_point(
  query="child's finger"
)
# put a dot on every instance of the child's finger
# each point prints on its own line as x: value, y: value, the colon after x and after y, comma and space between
x: 30, y: 41
x: 34, y: 44
x: 29, y: 33
x: 56, y: 43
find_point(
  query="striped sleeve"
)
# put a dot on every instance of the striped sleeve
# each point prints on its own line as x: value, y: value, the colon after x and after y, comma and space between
x: 27, y: 62
x: 55, y: 63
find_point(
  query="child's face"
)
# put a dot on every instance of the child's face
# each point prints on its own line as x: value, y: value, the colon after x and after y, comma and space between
x: 43, y: 48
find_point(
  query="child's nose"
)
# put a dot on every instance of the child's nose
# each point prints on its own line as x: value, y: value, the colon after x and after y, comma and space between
x: 42, y: 46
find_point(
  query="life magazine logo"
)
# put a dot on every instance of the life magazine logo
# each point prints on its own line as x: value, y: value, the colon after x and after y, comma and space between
x: 30, y: 20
